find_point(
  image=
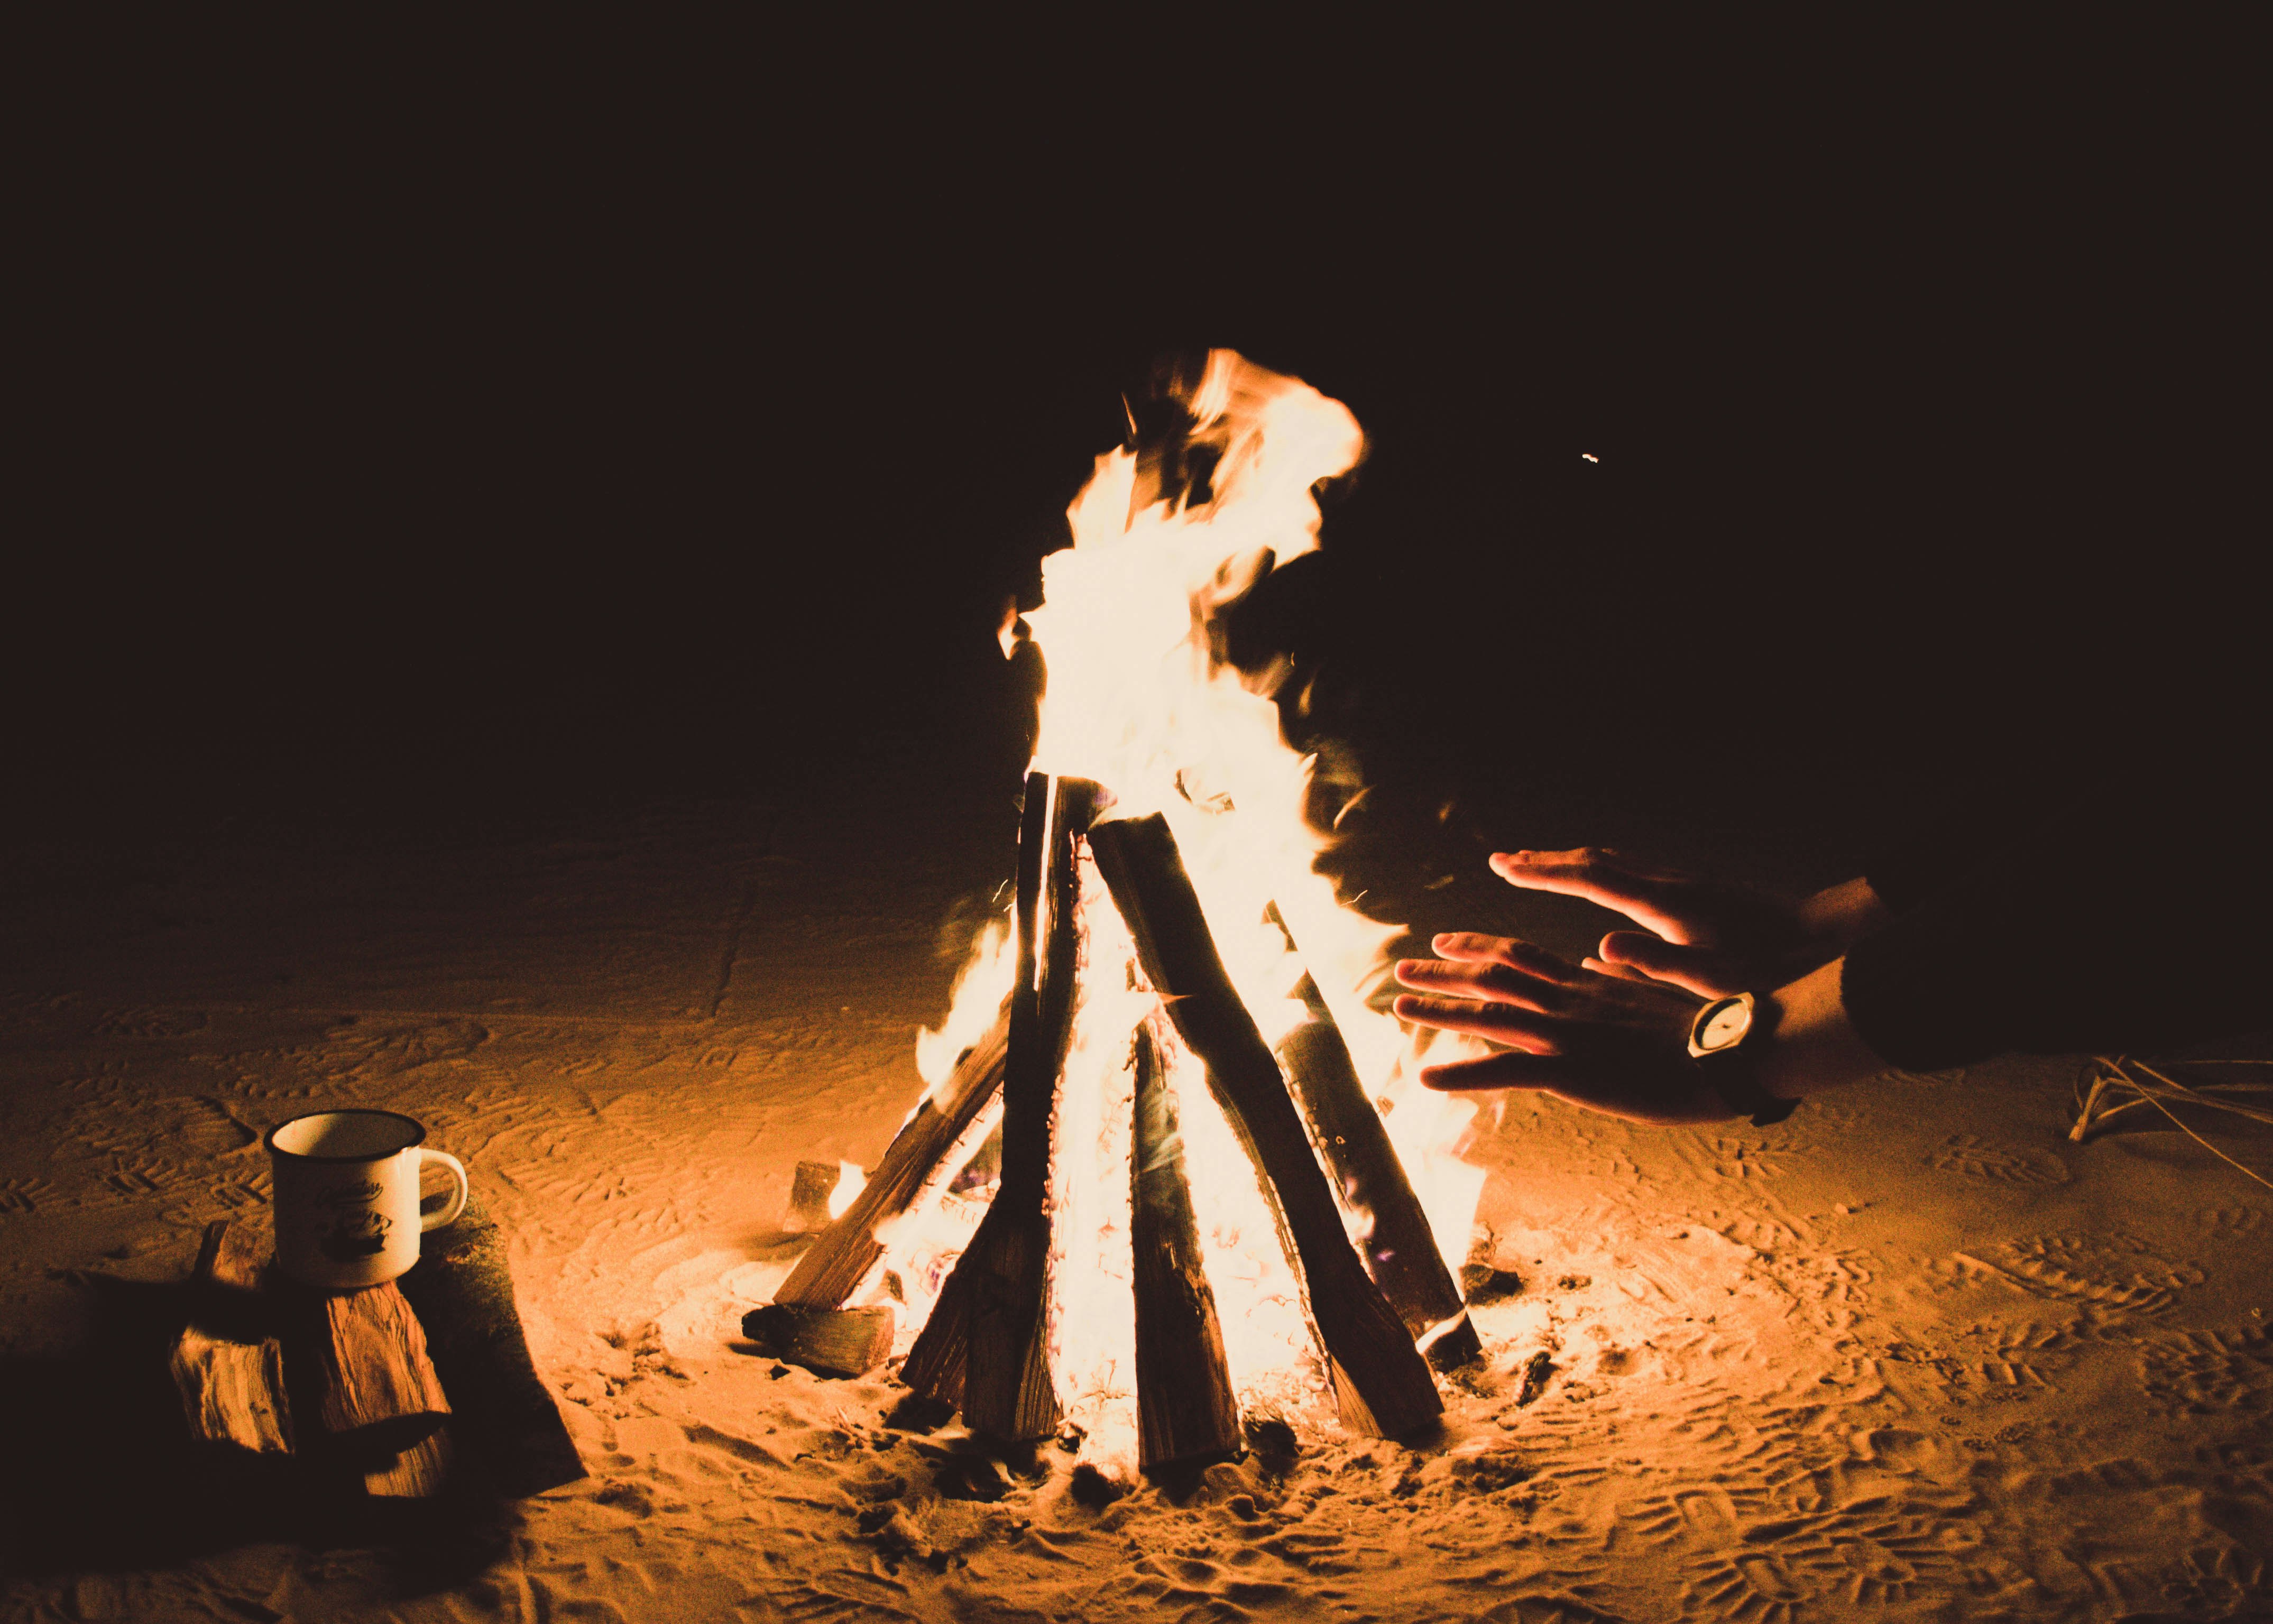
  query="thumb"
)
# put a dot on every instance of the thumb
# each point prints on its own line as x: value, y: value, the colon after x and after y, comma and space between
x: 1701, y: 971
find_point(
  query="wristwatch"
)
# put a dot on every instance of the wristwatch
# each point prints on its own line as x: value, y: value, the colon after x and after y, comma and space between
x: 1723, y: 1041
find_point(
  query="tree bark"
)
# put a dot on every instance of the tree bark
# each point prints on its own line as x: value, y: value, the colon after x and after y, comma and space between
x: 1185, y: 1410
x: 834, y: 1266
x: 1399, y: 1250
x: 1381, y: 1382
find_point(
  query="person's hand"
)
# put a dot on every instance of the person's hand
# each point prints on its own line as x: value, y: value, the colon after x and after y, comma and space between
x: 1712, y: 938
x: 1596, y: 1035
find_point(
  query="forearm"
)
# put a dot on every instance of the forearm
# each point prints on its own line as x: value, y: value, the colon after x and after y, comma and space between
x: 1813, y: 1046
x: 1838, y: 916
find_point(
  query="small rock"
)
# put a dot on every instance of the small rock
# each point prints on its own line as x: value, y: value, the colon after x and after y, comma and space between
x: 971, y: 1476
x: 1482, y: 1284
x: 915, y: 1413
x: 1095, y: 1490
x: 1536, y: 1369
x: 1275, y: 1446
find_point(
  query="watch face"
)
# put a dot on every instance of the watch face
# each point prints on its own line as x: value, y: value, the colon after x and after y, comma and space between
x: 1726, y: 1029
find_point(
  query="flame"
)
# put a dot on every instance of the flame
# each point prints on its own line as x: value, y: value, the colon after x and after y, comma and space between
x: 1140, y: 700
x: 850, y: 1181
x: 980, y: 987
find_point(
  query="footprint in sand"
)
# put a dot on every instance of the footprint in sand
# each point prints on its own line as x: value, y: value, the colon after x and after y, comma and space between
x: 150, y: 1023
x: 369, y: 1053
x: 24, y: 1196
x: 2216, y: 1371
x: 1975, y: 1158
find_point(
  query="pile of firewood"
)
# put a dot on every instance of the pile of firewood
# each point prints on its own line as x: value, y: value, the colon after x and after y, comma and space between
x: 358, y: 1387
x: 1300, y: 1113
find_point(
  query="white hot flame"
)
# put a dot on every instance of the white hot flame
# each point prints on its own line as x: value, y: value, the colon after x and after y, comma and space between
x: 850, y: 1182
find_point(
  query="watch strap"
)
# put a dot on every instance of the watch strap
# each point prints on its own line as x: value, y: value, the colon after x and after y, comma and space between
x: 1728, y: 1072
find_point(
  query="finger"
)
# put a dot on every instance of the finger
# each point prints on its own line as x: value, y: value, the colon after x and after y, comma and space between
x: 1619, y: 972
x: 1500, y: 1022
x: 1589, y: 873
x: 1699, y: 969
x: 1579, y: 1085
x: 1511, y: 1069
x: 1520, y: 956
x: 1489, y: 983
x: 1608, y: 857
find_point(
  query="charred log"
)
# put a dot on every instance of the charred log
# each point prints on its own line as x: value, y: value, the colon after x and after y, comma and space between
x: 1185, y: 1411
x: 830, y: 1341
x: 1399, y: 1250
x: 985, y: 1339
x: 1381, y: 1382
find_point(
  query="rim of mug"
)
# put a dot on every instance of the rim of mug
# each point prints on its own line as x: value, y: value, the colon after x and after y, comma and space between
x: 418, y: 1130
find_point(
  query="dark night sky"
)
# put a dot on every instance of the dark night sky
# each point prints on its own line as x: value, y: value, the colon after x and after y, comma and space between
x: 567, y: 415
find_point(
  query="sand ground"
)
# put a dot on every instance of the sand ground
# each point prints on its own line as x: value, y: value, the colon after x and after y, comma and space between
x: 1910, y: 1354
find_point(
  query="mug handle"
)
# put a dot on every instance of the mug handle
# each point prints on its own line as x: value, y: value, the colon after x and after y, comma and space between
x: 449, y: 1213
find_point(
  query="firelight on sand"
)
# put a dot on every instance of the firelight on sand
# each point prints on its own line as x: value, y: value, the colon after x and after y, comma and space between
x: 1139, y: 699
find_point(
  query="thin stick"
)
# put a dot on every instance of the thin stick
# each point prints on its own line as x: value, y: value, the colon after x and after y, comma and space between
x: 834, y: 1266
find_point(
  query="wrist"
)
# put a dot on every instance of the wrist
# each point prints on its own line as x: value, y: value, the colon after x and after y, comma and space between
x: 1811, y: 1045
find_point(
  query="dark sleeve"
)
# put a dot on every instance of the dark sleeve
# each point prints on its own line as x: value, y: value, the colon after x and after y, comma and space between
x: 1987, y: 819
x: 2134, y: 920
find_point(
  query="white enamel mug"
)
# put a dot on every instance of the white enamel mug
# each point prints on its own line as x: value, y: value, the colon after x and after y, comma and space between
x: 346, y: 1196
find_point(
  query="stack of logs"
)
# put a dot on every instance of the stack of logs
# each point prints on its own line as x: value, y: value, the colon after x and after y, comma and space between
x: 983, y: 1346
x: 346, y: 1384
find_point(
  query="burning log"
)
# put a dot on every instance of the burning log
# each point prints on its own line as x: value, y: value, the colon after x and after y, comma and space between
x: 833, y: 1341
x: 833, y: 1268
x: 230, y: 1375
x: 1381, y: 1382
x: 1185, y: 1410
x: 1399, y: 1251
x: 984, y: 1343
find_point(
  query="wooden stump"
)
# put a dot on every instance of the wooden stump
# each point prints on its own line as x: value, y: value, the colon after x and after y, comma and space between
x: 419, y: 1472
x: 233, y: 1392
x: 808, y: 1196
x: 375, y: 1387
x: 1185, y: 1411
x: 503, y: 1415
x: 228, y: 1369
x: 832, y: 1342
x: 1381, y: 1382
